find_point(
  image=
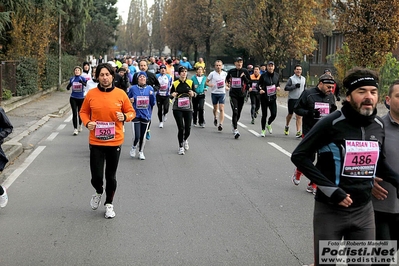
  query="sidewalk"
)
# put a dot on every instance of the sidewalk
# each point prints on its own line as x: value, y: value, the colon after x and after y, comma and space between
x: 27, y: 114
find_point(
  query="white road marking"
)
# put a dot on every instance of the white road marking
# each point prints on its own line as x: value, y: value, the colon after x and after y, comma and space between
x: 256, y: 134
x: 69, y: 119
x: 61, y: 127
x: 17, y: 172
x: 52, y: 136
x: 280, y: 149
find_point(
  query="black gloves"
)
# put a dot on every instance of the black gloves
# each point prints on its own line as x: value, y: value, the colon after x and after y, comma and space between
x: 315, y: 113
x: 298, y: 85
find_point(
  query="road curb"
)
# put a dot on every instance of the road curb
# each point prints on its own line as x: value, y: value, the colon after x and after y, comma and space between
x: 12, y: 151
x: 13, y: 148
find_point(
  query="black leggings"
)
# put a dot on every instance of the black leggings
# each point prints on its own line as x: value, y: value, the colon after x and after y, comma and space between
x: 76, y: 104
x: 332, y: 222
x: 110, y: 156
x: 198, y: 104
x: 163, y: 106
x: 386, y: 226
x: 236, y: 104
x: 255, y: 103
x: 272, y: 105
x: 183, y: 122
x: 140, y: 128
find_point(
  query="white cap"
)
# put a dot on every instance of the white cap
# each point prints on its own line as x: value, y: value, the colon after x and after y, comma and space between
x: 112, y: 63
x: 184, y: 58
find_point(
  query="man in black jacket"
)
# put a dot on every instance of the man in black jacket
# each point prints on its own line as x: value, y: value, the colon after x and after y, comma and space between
x: 237, y: 79
x: 269, y: 84
x: 314, y: 104
x: 5, y: 130
x: 121, y: 80
x: 350, y: 152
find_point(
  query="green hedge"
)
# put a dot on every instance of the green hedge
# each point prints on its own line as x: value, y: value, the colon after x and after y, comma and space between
x: 27, y: 77
x: 50, y: 78
x: 28, y: 80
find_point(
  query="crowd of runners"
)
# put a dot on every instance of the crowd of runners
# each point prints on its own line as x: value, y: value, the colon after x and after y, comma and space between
x: 335, y: 143
x: 349, y: 155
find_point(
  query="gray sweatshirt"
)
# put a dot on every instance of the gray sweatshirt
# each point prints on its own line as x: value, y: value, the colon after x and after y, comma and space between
x: 294, y: 92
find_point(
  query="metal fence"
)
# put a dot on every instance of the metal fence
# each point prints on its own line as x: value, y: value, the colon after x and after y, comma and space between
x: 8, y: 77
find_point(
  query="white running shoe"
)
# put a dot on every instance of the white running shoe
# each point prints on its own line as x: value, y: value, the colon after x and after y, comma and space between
x: 95, y: 201
x: 165, y: 117
x: 181, y: 151
x: 80, y: 128
x: 236, y: 134
x: 133, y: 152
x: 75, y: 132
x: 141, y: 155
x: 294, y: 178
x: 185, y: 144
x: 3, y: 198
x: 109, y: 211
x: 161, y: 125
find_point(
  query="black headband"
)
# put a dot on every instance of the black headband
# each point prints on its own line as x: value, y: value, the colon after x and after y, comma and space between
x: 360, y: 82
x: 329, y: 81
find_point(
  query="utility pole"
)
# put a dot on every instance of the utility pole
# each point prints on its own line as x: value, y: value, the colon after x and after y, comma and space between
x: 59, y: 54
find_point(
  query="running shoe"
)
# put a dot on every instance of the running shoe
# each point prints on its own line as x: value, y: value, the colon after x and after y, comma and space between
x: 195, y: 124
x: 161, y: 124
x: 109, y: 211
x: 141, y: 155
x: 164, y: 118
x: 236, y: 134
x: 220, y: 127
x: 202, y: 125
x: 295, y: 179
x: 314, y: 189
x: 311, y: 188
x: 181, y: 151
x: 263, y: 133
x: 3, y: 198
x: 286, y: 130
x: 133, y: 152
x: 253, y: 121
x: 148, y: 135
x: 215, y: 122
x: 269, y: 128
x: 185, y: 145
x: 95, y: 201
x: 80, y: 128
x: 298, y: 134
x: 75, y: 132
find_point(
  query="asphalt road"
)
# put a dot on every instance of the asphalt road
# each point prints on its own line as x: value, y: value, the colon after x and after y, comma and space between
x: 225, y: 202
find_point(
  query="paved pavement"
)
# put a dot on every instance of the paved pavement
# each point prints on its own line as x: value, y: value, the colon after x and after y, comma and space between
x: 27, y: 114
